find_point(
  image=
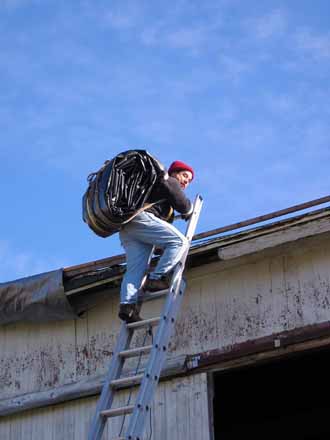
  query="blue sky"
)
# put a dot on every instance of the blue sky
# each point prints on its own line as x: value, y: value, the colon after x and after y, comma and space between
x: 238, y: 89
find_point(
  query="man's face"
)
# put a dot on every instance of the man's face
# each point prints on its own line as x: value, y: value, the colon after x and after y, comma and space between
x: 184, y: 177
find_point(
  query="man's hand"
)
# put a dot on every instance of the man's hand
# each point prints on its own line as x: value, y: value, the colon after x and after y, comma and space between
x: 186, y: 217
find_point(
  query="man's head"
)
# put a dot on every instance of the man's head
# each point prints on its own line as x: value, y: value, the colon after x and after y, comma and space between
x: 182, y: 172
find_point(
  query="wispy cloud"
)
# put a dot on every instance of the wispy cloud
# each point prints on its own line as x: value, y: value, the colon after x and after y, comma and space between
x: 191, y: 38
x: 271, y: 25
x: 232, y: 86
x: 12, y: 5
x: 124, y: 16
x: 314, y: 44
x: 235, y: 67
x: 15, y: 263
x: 184, y: 26
x: 296, y: 39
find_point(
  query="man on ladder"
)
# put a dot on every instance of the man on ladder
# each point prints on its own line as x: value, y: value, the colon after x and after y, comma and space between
x: 153, y: 228
x: 139, y: 236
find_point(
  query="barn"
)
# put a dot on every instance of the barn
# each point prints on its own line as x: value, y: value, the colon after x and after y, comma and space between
x: 249, y: 355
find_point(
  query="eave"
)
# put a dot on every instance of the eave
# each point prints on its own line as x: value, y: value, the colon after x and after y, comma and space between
x: 94, y: 277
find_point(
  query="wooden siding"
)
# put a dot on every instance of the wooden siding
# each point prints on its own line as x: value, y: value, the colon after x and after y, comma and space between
x: 180, y: 411
x: 227, y: 303
x: 223, y: 306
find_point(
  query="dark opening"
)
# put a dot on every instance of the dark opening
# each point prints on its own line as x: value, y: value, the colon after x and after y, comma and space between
x: 284, y: 399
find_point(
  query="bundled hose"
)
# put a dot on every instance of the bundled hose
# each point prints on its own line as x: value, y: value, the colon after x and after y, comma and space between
x: 119, y: 190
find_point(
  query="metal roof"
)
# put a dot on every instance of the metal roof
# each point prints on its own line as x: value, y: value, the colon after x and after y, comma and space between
x: 205, y: 246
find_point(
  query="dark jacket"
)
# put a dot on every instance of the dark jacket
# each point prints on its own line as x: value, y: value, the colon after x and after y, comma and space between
x: 174, y: 198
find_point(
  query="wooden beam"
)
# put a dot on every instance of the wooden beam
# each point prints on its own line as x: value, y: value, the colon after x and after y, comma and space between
x: 80, y: 269
x: 83, y: 388
x: 262, y: 218
x: 224, y: 248
x: 276, y: 238
x: 274, y: 346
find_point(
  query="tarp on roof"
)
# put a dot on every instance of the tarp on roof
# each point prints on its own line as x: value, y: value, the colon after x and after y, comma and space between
x: 37, y: 298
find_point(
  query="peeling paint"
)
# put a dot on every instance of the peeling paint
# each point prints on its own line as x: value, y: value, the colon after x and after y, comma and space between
x: 277, y: 294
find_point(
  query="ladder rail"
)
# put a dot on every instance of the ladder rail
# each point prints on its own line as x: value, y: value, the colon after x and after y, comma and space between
x: 192, y: 224
x: 159, y: 351
x: 157, y: 356
x: 151, y: 377
x: 107, y: 394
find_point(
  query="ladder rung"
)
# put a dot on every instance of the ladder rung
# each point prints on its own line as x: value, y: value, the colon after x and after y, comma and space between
x: 157, y: 356
x: 132, y: 352
x: 144, y: 323
x: 130, y: 380
x: 117, y: 411
x: 149, y: 296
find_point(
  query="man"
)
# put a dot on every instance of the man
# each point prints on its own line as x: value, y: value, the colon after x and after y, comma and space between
x: 153, y: 228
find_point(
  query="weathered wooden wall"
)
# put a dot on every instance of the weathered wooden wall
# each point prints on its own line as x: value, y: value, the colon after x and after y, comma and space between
x: 223, y: 305
x: 180, y: 411
x: 226, y: 303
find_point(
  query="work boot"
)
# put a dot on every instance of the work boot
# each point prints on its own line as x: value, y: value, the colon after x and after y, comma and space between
x: 154, y: 285
x: 129, y: 313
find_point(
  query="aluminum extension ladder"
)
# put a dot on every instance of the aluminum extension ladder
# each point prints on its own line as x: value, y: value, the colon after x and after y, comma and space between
x: 157, y: 355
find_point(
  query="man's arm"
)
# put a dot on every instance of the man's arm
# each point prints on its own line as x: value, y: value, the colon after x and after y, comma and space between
x: 177, y: 197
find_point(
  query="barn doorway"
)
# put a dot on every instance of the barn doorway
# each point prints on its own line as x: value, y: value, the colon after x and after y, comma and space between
x: 284, y: 399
